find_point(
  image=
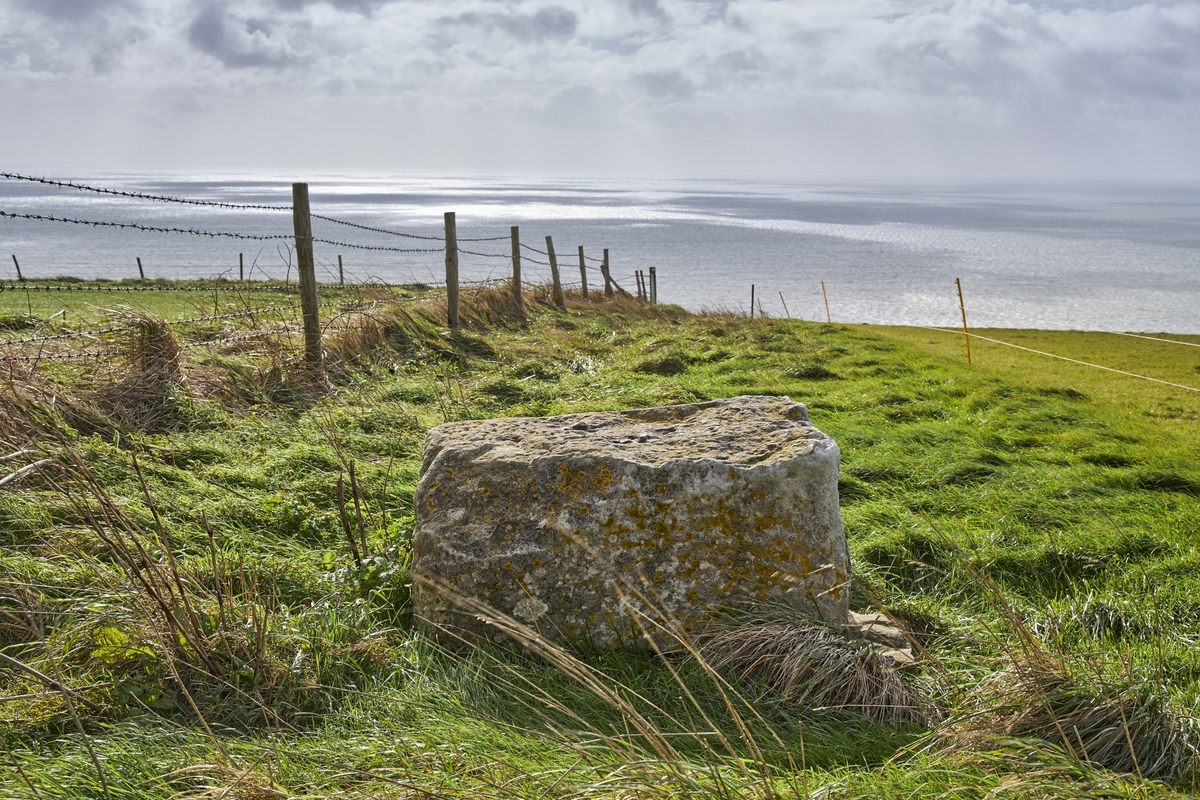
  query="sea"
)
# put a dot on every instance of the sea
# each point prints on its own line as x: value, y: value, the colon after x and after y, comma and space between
x: 1090, y: 256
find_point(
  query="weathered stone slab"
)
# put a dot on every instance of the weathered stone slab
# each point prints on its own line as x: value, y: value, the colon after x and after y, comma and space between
x: 562, y: 522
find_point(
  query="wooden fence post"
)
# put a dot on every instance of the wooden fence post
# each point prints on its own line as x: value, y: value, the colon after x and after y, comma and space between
x: 341, y: 272
x: 17, y: 264
x: 785, y: 308
x: 752, y: 301
x: 583, y: 272
x: 558, y: 293
x: 518, y: 297
x: 604, y: 270
x: 963, y: 309
x: 307, y: 273
x: 451, y: 271
x: 241, y: 266
x: 828, y: 319
x: 653, y: 286
x: 641, y: 284
x: 141, y: 274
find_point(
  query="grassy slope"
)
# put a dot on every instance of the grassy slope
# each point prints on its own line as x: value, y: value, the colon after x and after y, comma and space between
x: 1078, y: 493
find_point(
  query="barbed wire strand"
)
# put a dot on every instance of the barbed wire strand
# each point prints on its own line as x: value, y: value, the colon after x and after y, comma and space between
x: 377, y: 230
x: 61, y: 356
x: 226, y: 286
x: 405, y: 235
x: 140, y: 195
x: 341, y: 305
x: 288, y: 329
x: 148, y: 228
x: 377, y: 247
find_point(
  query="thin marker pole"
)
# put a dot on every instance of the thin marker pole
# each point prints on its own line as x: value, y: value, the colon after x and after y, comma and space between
x: 785, y: 308
x: 515, y: 231
x: 583, y: 272
x: 752, y: 301
x: 963, y: 309
x: 828, y: 318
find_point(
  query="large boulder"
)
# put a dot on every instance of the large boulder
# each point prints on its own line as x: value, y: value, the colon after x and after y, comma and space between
x: 598, y: 527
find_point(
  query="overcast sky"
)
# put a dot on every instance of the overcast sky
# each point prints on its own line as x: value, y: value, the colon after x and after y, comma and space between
x: 797, y: 89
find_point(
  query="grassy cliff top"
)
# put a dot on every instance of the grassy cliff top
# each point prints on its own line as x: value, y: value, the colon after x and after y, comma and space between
x: 187, y: 607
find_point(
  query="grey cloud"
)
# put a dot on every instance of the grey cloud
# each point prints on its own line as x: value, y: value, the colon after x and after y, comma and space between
x: 1005, y: 59
x: 738, y: 62
x: 552, y: 22
x: 71, y: 10
x: 666, y: 84
x: 237, y: 43
x: 648, y: 8
x: 360, y: 6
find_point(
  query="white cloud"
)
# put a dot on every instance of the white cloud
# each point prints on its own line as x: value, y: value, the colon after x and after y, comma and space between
x: 973, y: 85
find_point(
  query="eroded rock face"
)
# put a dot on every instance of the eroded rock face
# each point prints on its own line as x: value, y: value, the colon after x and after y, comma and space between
x: 573, y: 524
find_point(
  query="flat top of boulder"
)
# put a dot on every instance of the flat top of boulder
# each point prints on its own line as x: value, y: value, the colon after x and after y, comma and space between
x: 741, y: 431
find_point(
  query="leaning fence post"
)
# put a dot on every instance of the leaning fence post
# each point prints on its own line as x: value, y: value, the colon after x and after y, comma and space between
x: 608, y: 289
x: 141, y: 274
x: 451, y: 270
x: 583, y: 272
x: 963, y: 309
x: 515, y: 231
x: 653, y: 287
x: 17, y: 264
x: 558, y: 293
x: 307, y: 272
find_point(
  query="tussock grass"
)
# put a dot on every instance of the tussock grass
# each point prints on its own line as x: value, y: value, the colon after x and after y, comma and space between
x: 805, y: 662
x: 1121, y: 725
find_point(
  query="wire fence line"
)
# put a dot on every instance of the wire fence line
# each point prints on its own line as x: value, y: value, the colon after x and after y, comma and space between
x: 1064, y: 358
x: 241, y: 286
x: 223, y: 205
x: 352, y: 305
x: 140, y: 195
x: 304, y: 239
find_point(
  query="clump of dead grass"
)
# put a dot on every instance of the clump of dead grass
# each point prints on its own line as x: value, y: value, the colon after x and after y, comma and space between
x: 152, y: 396
x: 1124, y: 725
x: 802, y: 661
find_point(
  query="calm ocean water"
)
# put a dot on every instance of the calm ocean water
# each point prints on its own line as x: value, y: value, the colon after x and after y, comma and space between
x: 1088, y: 256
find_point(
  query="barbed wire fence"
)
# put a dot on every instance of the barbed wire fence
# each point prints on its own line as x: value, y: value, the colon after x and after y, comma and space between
x: 296, y: 245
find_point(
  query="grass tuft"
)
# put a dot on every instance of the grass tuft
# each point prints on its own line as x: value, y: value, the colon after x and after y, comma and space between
x: 805, y: 662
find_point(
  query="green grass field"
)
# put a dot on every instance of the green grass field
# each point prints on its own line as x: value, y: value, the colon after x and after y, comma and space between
x: 1035, y: 521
